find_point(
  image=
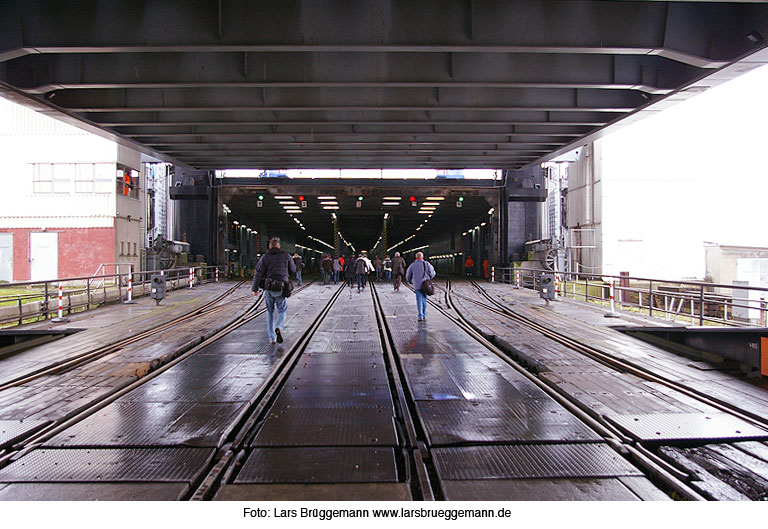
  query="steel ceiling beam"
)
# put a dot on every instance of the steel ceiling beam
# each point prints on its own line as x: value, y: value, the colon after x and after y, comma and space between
x: 353, y: 83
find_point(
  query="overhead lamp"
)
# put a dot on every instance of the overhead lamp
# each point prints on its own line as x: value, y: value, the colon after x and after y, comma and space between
x: 329, y: 203
x: 330, y: 207
x: 283, y: 202
x: 283, y: 197
x: 425, y: 212
x: 482, y: 224
x: 490, y: 211
x: 428, y: 208
x: 435, y: 198
x: 464, y: 233
x: 430, y: 203
x: 390, y: 203
x: 326, y: 198
x: 391, y: 198
x: 235, y: 222
x: 386, y: 216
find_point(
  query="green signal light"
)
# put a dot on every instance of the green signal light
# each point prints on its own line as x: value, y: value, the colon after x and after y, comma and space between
x: 461, y: 199
x: 261, y: 197
x: 359, y: 198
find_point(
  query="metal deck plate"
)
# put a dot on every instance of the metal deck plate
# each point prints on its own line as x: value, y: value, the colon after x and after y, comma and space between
x: 151, y: 424
x: 454, y: 421
x: 339, y: 374
x: 583, y: 460
x: 342, y: 397
x: 11, y: 431
x: 328, y: 427
x: 579, y: 489
x: 94, y: 492
x: 686, y: 427
x: 109, y: 465
x: 309, y: 492
x: 319, y: 465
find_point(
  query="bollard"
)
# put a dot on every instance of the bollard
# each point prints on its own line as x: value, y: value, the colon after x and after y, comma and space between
x: 557, y: 285
x: 129, y: 296
x: 613, y: 301
x: 493, y: 274
x: 191, y: 277
x: 517, y: 278
x: 61, y: 318
x: 217, y: 274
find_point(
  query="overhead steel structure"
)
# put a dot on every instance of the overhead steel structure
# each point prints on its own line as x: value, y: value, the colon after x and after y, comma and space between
x: 365, y: 84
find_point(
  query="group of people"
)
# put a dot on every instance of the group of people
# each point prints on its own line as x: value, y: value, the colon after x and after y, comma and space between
x: 357, y: 270
x: 272, y: 275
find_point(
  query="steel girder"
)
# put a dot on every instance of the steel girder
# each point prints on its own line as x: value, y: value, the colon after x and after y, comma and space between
x: 399, y: 83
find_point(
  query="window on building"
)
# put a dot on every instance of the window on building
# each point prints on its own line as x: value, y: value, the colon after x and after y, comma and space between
x: 127, y: 181
x: 42, y: 178
x: 84, y: 178
x: 122, y: 247
x: 63, y: 175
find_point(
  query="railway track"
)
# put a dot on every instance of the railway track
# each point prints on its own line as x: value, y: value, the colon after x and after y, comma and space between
x: 669, y: 455
x: 36, y: 438
x: 79, y: 360
x: 611, y: 361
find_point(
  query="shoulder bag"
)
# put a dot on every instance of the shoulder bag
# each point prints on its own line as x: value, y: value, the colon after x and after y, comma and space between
x: 427, y: 287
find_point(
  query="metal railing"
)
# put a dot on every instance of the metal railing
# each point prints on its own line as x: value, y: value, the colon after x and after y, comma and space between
x: 694, y: 302
x: 79, y: 293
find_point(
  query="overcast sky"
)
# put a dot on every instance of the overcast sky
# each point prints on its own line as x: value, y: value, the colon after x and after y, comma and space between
x: 692, y: 173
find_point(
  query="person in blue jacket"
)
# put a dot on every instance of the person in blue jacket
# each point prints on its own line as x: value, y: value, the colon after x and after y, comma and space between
x: 416, y: 273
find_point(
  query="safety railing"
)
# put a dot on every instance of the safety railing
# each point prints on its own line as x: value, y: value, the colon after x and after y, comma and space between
x: 690, y: 302
x: 30, y: 301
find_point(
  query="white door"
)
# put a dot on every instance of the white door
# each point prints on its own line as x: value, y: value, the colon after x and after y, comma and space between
x: 6, y: 257
x: 44, y: 252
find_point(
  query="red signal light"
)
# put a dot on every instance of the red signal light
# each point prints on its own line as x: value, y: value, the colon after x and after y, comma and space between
x: 412, y: 199
x: 301, y: 197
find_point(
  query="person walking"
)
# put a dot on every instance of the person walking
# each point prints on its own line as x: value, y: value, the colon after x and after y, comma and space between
x: 349, y: 270
x: 361, y: 271
x: 469, y: 265
x: 327, y: 268
x: 337, y: 267
x: 298, y: 262
x: 416, y: 274
x: 377, y: 266
x: 387, y: 264
x: 273, y: 269
x: 398, y: 270
x: 485, y: 268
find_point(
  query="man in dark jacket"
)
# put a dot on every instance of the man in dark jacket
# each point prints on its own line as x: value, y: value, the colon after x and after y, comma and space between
x: 273, y: 268
x: 398, y: 270
x: 299, y: 264
x: 327, y: 269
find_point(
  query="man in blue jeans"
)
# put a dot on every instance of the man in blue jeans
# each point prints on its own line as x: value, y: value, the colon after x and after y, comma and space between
x: 274, y: 268
x: 416, y: 274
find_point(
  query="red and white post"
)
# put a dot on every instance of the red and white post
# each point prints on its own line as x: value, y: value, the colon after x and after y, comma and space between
x: 129, y: 296
x: 493, y: 274
x: 517, y: 279
x: 557, y: 284
x: 60, y: 317
x: 613, y: 295
x: 191, y: 277
x: 217, y: 274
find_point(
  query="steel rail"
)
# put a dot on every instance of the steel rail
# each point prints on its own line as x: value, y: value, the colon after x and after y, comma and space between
x: 667, y: 474
x: 621, y: 364
x: 84, y: 358
x: 232, y: 454
x: 420, y: 452
x: 37, y: 438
